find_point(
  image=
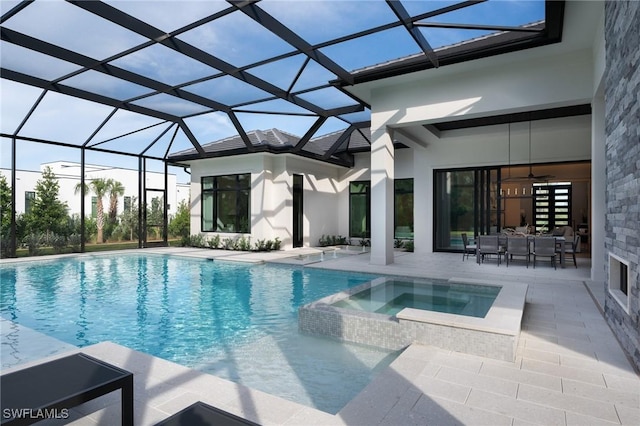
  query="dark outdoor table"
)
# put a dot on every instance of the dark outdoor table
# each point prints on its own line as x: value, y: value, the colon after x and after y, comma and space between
x: 201, y: 414
x: 62, y: 384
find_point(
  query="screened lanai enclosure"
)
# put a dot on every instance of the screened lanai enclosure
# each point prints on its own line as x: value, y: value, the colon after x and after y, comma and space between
x: 140, y: 82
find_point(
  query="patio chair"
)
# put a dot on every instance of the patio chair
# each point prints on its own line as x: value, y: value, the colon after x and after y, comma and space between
x: 468, y: 248
x: 572, y: 248
x: 488, y: 245
x: 517, y: 246
x: 544, y: 247
x: 201, y: 414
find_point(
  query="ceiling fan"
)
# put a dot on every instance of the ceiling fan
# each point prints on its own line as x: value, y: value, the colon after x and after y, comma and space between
x: 530, y: 176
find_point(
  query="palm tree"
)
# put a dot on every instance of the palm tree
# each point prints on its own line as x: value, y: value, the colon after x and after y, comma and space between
x: 100, y: 187
x: 116, y: 189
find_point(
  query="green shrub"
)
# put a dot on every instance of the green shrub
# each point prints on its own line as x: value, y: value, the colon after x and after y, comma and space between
x: 197, y: 241
x: 228, y: 244
x: 244, y: 243
x: 214, y: 242
x: 332, y: 240
x: 181, y: 222
x: 75, y: 241
x: 5, y: 245
x: 408, y: 245
x: 58, y: 242
x: 277, y: 243
x: 398, y: 243
x: 259, y: 245
x: 33, y: 242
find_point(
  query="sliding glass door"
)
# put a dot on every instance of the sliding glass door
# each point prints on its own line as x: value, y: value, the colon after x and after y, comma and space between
x: 466, y: 201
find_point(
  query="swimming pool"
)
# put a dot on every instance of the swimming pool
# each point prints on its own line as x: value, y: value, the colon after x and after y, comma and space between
x: 234, y: 320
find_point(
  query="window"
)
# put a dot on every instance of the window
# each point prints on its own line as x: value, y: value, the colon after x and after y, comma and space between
x: 619, y: 280
x: 94, y: 207
x: 360, y: 209
x: 225, y: 203
x: 127, y: 203
x: 464, y: 202
x: 29, y: 198
x: 403, y: 208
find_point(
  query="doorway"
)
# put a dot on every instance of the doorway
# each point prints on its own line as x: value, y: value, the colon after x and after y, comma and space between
x: 153, y: 218
x: 466, y: 201
x: 298, y: 211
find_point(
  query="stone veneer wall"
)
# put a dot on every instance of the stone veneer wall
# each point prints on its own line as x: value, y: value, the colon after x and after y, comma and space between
x: 622, y: 128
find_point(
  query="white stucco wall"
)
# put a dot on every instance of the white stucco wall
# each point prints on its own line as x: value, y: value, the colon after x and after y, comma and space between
x: 68, y: 176
x: 271, y: 195
x: 490, y: 88
x: 553, y: 140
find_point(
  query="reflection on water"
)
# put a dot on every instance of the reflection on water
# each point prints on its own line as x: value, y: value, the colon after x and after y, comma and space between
x: 196, y: 313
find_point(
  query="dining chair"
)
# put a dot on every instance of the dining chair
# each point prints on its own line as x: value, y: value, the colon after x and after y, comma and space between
x: 488, y: 245
x: 517, y: 246
x: 544, y: 247
x: 572, y: 249
x: 469, y: 249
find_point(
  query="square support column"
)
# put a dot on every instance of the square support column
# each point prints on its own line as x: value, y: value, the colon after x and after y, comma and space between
x: 382, y: 197
x: 422, y: 203
x: 598, y: 190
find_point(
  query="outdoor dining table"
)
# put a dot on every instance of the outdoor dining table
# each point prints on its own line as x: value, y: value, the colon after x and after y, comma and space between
x: 502, y: 242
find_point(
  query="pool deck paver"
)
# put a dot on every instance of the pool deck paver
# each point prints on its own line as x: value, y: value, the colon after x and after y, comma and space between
x: 569, y: 368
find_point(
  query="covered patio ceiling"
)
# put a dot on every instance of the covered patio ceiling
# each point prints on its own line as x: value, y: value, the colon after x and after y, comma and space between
x: 153, y: 79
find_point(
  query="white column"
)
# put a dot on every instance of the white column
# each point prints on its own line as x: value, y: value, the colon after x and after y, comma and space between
x: 382, y: 167
x: 422, y: 203
x: 598, y: 189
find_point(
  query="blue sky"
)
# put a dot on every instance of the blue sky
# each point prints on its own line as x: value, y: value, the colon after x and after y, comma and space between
x: 235, y: 39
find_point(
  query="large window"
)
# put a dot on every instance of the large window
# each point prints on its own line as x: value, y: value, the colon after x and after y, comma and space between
x: 465, y: 201
x: 225, y: 203
x: 403, y: 208
x: 29, y: 198
x: 360, y: 209
x: 127, y: 204
x: 94, y: 207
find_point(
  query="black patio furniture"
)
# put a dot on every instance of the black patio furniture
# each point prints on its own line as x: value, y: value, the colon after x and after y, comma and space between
x: 50, y: 389
x: 544, y: 247
x: 572, y: 248
x: 468, y: 249
x: 488, y: 246
x: 517, y: 246
x: 201, y: 414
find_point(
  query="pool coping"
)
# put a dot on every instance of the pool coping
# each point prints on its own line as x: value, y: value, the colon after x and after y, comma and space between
x: 504, y: 315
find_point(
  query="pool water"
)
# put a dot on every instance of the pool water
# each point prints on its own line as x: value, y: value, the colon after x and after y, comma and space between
x: 234, y: 320
x: 394, y: 295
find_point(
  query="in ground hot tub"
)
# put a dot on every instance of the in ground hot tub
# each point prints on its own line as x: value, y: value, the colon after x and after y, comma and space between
x: 470, y: 316
x: 393, y: 295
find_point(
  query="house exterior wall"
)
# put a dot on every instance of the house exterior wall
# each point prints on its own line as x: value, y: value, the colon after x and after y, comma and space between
x: 622, y: 128
x: 552, y: 140
x: 68, y: 176
x: 272, y: 195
